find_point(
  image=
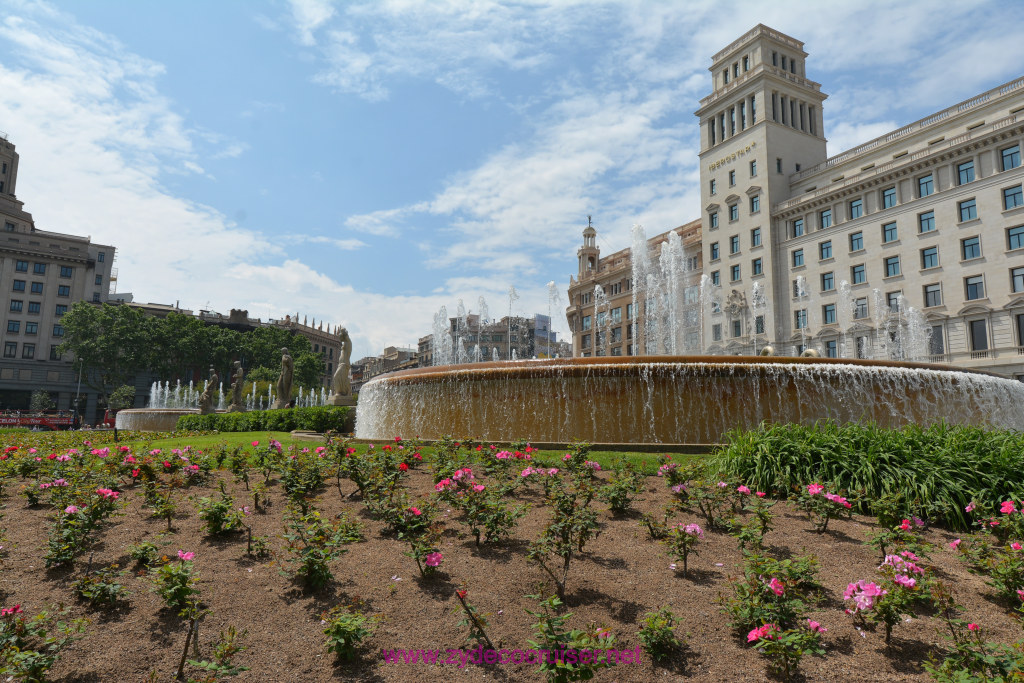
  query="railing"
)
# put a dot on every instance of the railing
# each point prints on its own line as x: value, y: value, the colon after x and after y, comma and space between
x: 756, y: 31
x: 910, y: 128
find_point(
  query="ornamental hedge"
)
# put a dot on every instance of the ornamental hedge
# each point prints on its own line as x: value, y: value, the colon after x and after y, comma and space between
x: 315, y: 419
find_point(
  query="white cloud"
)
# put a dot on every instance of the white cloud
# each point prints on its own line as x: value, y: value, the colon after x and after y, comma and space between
x: 309, y: 15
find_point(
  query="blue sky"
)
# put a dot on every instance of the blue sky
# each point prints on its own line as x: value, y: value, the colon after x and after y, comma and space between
x: 365, y: 163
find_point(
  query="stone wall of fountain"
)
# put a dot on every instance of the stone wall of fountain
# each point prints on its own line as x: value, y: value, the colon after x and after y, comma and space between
x: 674, y: 399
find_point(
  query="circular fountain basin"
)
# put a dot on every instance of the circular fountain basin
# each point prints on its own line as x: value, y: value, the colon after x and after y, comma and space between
x: 151, y: 419
x: 674, y: 399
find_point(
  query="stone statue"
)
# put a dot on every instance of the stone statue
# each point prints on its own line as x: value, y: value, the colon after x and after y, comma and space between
x: 206, y: 406
x: 767, y: 351
x: 284, y: 382
x: 237, y: 385
x: 341, y: 389
x: 810, y: 353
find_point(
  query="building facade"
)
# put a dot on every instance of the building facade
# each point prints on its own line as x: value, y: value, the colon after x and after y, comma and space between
x: 909, y: 246
x: 42, y: 274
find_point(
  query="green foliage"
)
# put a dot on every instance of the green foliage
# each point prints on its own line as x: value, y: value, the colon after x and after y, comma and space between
x: 316, y: 419
x: 345, y: 630
x: 227, y: 646
x: 935, y: 471
x: 786, y: 648
x: 100, y: 586
x: 755, y: 602
x: 109, y: 343
x: 623, y: 487
x: 220, y: 516
x: 30, y: 646
x: 121, y: 398
x: 314, y: 543
x: 40, y: 401
x: 552, y: 635
x: 177, y: 584
x: 681, y: 540
x: 657, y: 634
x: 144, y: 552
x: 573, y: 523
x: 263, y: 374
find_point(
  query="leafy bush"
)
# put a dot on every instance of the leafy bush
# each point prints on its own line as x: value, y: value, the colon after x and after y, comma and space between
x: 316, y: 419
x: 551, y: 634
x: 657, y: 634
x: 345, y: 630
x: 29, y: 646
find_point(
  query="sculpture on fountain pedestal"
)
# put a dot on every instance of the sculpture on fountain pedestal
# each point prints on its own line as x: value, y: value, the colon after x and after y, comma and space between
x: 206, y: 406
x: 341, y: 388
x: 237, y: 384
x: 284, y: 381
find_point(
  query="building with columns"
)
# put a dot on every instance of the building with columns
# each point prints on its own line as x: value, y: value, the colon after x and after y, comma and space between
x: 910, y: 245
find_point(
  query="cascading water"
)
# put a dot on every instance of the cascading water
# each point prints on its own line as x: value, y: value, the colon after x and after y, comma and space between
x: 601, y: 322
x: 803, y: 297
x: 759, y: 309
x: 844, y: 316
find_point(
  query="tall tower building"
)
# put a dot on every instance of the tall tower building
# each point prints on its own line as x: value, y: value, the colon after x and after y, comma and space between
x: 761, y: 123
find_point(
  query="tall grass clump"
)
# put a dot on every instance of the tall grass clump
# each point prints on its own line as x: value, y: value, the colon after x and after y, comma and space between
x: 934, y: 472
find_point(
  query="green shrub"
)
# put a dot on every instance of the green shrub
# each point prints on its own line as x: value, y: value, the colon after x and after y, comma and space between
x: 316, y: 419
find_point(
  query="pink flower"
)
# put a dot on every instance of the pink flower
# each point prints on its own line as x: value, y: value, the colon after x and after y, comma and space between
x: 416, y: 511
x: 815, y: 626
x: 1008, y: 507
x: 693, y: 530
x: 775, y: 586
x: 1016, y: 546
x: 433, y: 559
x: 566, y: 457
x: 743, y: 489
x: 762, y: 632
x: 955, y: 544
x: 722, y: 484
x: 864, y: 594
x: 905, y: 525
x: 759, y: 494
x: 71, y: 509
x: 255, y: 443
x: 970, y: 507
x: 182, y: 555
x: 972, y: 627
x: 478, y: 487
x: 815, y: 489
x: 107, y: 493
x: 10, y: 611
x: 1020, y: 594
x: 905, y: 581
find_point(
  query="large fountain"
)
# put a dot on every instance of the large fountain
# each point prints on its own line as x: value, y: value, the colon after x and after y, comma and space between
x: 674, y: 399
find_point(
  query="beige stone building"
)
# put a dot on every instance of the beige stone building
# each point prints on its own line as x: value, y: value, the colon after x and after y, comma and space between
x: 42, y: 274
x: 910, y: 245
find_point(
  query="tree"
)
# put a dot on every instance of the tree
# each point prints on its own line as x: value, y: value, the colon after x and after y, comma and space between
x: 121, y: 398
x: 263, y: 374
x: 309, y: 369
x: 109, y: 343
x: 263, y: 346
x: 40, y: 401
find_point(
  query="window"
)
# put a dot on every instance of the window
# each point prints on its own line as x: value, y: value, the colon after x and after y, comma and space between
x: 16, y: 306
x: 737, y: 328
x: 926, y: 221
x: 616, y: 334
x: 970, y: 248
x: 716, y: 332
x: 759, y: 325
x: 889, y: 198
x: 629, y: 311
x: 714, y: 251
x: 31, y: 328
x: 34, y: 307
x: 66, y: 271
x: 56, y: 356
x: 968, y: 210
x: 753, y: 165
x: 825, y: 218
x: 99, y: 279
x: 825, y: 250
x: 936, y: 347
x: 890, y: 233
x: 13, y: 326
x: 856, y: 241
x: 796, y: 289
x: 756, y: 267
x: 778, y: 165
x: 798, y: 227
x: 893, y: 300
x: 10, y: 350
x: 61, y: 309
x: 925, y: 185
x: 755, y: 237
x: 732, y: 178
x: 1011, y: 157
x: 734, y: 212
x: 965, y: 172
x: 58, y: 330
x: 37, y: 287
x: 63, y: 290
x: 1020, y: 329
x: 933, y: 295
x: 736, y: 70
x: 979, y: 335
x: 930, y: 257
x: 858, y: 275
x: 746, y: 63
x: 1017, y: 279
x: 716, y: 277
x: 860, y: 308
x: 975, y: 287
x: 714, y: 219
x: 39, y: 268
x: 734, y: 273
x: 28, y: 350
x: 800, y: 319
x: 1015, y: 237
x: 861, y: 347
x: 892, y: 266
x: 96, y: 297
x: 586, y: 322
x: 9, y: 227
x: 734, y: 244
x: 713, y: 186
x: 1012, y: 198
x: 831, y: 349
x: 856, y: 208
x: 828, y: 282
x: 21, y: 266
x: 19, y: 286
x: 101, y: 257
x: 798, y: 258
x: 755, y: 203
x: 616, y: 315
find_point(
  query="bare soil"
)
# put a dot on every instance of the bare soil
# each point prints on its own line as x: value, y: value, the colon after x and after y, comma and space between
x: 622, y: 575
